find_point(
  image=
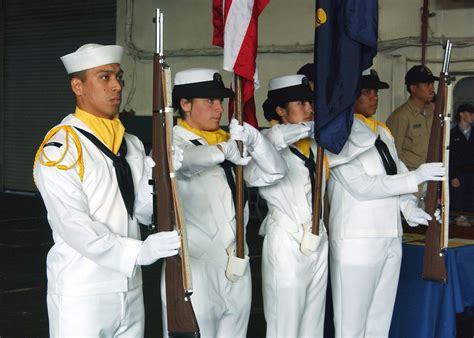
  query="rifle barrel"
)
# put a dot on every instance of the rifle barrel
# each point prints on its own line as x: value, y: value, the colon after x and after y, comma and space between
x: 447, y: 57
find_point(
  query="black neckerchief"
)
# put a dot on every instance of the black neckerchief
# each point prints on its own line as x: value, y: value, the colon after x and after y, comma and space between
x: 308, y: 163
x: 228, y: 166
x: 122, y: 169
x: 387, y: 159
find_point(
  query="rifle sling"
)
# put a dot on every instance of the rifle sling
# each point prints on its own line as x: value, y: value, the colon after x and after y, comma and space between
x: 228, y: 166
x: 387, y: 159
x: 122, y: 169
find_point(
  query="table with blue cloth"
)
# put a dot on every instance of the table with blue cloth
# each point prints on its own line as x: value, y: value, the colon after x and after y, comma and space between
x: 426, y: 309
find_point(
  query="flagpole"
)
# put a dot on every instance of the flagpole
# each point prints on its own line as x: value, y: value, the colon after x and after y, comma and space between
x: 317, y: 191
x: 239, y: 175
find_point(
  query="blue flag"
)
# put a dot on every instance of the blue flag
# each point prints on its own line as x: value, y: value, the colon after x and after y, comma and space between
x: 345, y: 45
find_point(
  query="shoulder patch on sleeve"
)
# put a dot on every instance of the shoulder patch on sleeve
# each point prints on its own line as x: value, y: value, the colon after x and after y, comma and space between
x: 52, y: 143
x: 58, y: 154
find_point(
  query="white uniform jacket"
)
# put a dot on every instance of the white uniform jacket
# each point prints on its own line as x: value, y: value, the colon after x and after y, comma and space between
x: 206, y: 197
x: 96, y: 243
x: 290, y: 201
x: 365, y: 201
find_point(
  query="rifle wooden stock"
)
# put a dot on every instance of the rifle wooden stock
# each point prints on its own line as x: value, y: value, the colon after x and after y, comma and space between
x: 317, y: 200
x: 239, y: 178
x: 181, y: 318
x: 434, y: 267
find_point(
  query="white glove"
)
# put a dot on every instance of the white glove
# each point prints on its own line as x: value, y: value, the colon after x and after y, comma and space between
x: 434, y: 171
x: 160, y: 245
x: 295, y: 132
x: 437, y: 215
x: 417, y: 216
x: 248, y: 134
x: 232, y: 153
x: 177, y: 157
x: 148, y: 165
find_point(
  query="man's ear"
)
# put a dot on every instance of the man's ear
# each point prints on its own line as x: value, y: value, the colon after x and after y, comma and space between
x: 76, y: 86
x: 281, y: 111
x: 185, y: 105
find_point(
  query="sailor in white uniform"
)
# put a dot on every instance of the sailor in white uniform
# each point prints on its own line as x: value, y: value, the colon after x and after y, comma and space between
x: 221, y: 281
x: 294, y: 279
x: 93, y: 178
x: 368, y: 188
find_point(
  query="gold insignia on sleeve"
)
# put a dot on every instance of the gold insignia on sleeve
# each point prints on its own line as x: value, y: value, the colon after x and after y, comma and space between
x: 42, y: 159
x: 321, y: 17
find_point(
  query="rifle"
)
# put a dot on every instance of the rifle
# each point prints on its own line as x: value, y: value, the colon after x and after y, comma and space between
x: 167, y: 212
x: 437, y: 194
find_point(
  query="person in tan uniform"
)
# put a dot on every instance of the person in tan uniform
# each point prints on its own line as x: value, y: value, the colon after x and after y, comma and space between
x: 410, y: 123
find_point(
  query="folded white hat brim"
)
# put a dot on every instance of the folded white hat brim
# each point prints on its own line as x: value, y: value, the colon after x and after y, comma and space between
x: 92, y: 56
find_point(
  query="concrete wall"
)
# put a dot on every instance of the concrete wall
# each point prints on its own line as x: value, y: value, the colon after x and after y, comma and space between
x: 285, y: 42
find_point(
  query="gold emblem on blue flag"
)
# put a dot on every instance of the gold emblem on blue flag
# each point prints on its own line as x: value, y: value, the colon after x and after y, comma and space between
x: 321, y: 17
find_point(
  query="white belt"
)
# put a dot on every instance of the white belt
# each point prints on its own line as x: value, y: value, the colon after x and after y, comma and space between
x: 284, y: 221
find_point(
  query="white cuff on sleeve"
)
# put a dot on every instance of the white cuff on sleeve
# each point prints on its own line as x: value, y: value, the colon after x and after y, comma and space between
x: 129, y: 257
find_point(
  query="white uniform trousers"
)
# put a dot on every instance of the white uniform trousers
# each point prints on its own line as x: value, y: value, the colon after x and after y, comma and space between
x: 106, y: 315
x: 294, y: 286
x: 364, y: 279
x: 222, y: 307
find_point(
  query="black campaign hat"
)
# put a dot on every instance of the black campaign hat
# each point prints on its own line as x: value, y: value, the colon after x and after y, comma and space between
x: 372, y: 81
x: 285, y: 89
x: 199, y: 83
x: 307, y: 70
x: 420, y: 74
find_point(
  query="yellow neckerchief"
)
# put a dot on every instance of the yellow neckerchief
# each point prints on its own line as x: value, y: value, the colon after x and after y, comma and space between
x: 108, y: 131
x: 274, y: 122
x: 211, y: 137
x: 373, y: 123
x: 303, y: 146
x: 369, y: 122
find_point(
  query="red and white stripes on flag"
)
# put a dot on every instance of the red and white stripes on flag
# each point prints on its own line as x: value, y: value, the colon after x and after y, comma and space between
x: 235, y: 28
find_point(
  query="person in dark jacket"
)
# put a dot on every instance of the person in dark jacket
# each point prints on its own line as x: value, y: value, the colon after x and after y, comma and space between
x: 461, y: 160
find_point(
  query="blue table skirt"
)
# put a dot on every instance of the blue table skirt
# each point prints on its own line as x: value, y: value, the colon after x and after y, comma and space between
x: 428, y: 309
